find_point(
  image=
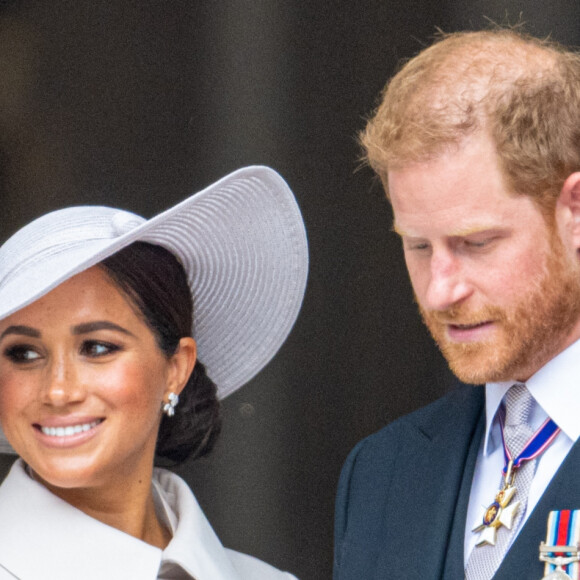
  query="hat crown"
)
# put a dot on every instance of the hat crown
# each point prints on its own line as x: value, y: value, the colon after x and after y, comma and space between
x: 61, y: 231
x: 35, y: 255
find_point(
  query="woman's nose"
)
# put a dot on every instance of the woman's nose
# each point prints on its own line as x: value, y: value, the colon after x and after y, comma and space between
x: 62, y: 386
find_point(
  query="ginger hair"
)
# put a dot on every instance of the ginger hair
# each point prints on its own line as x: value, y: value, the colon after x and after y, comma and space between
x: 521, y: 91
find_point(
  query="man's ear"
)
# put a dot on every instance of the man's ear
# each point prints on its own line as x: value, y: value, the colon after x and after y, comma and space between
x: 568, y: 208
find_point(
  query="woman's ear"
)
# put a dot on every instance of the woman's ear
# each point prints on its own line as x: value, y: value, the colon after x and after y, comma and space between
x: 181, y: 365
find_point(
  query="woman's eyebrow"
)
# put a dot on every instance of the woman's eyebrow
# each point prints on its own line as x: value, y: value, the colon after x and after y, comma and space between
x: 87, y: 327
x: 22, y: 330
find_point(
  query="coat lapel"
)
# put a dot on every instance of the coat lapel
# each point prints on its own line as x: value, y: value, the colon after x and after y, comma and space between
x: 454, y: 562
x: 438, y: 457
x: 563, y: 493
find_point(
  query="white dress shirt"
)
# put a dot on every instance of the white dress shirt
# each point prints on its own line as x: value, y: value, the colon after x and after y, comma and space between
x: 44, y: 538
x: 556, y: 392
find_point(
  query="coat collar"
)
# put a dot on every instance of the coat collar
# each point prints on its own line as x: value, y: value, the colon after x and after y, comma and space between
x: 43, y: 536
x: 195, y: 546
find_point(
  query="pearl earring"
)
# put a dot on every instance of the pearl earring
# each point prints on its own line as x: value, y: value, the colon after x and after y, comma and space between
x: 169, y: 408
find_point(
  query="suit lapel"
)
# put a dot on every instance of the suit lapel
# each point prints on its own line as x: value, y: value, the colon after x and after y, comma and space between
x: 563, y: 493
x: 437, y: 458
x: 454, y: 562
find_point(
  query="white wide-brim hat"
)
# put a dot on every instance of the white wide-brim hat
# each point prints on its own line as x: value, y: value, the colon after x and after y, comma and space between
x: 241, y: 242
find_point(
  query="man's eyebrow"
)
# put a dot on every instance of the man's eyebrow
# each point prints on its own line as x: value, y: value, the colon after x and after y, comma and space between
x: 475, y: 229
x: 21, y: 330
x: 397, y: 229
x: 469, y: 231
x: 88, y: 327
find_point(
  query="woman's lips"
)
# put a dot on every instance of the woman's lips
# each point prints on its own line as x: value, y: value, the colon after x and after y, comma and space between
x: 69, y: 435
x: 69, y: 429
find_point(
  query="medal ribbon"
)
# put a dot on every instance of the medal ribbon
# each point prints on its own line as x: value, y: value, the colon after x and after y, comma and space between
x: 536, y: 445
x: 563, y: 530
x: 500, y: 512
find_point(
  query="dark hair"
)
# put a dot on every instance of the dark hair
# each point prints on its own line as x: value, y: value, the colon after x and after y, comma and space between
x: 155, y: 282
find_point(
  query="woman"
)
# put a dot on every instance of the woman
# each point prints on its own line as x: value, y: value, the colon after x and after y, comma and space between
x: 100, y: 374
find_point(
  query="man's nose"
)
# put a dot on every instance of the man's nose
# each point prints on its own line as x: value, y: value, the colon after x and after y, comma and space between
x: 448, y: 285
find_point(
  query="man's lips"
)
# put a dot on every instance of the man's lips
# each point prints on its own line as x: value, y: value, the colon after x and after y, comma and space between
x: 468, y: 326
x: 471, y: 332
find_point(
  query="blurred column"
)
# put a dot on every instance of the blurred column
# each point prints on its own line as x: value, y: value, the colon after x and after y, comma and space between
x: 247, y: 64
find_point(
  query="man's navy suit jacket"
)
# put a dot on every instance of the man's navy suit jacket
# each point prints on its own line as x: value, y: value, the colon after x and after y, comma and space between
x: 403, y: 494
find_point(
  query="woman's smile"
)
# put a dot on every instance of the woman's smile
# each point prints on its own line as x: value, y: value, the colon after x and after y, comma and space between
x: 69, y: 436
x: 69, y: 430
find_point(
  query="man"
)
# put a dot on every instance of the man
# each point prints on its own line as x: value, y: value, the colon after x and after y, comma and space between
x: 477, y: 143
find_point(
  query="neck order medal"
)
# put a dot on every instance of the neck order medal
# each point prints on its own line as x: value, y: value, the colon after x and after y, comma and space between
x: 500, y: 512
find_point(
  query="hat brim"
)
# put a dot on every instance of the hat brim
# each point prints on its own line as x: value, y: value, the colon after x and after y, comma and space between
x: 242, y: 243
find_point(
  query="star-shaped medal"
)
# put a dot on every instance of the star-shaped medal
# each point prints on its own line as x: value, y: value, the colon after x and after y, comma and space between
x: 497, y: 514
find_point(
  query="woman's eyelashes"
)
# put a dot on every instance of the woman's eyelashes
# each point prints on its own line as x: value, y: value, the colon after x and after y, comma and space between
x: 98, y: 348
x: 26, y: 353
x: 22, y: 353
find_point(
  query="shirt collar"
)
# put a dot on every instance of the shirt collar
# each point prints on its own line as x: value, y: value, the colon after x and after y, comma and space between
x: 555, y: 390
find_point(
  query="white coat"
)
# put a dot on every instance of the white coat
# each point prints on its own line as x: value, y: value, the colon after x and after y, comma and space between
x: 44, y: 538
